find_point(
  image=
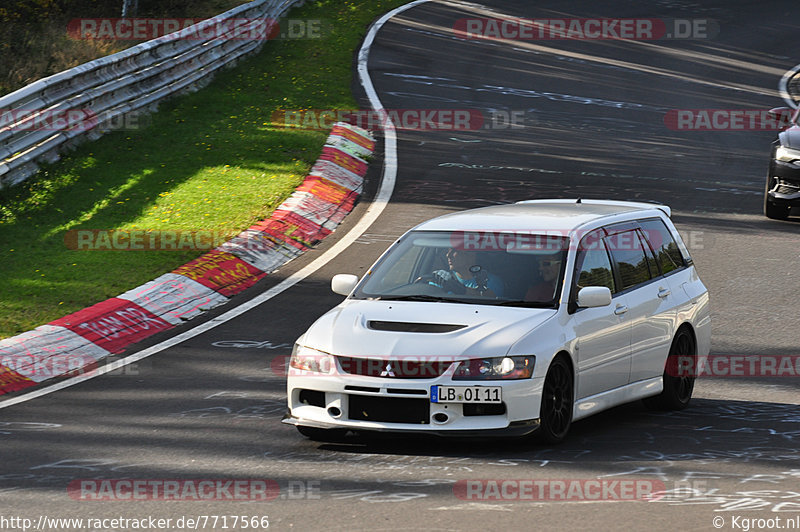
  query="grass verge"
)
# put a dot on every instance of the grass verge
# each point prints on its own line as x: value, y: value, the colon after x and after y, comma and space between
x: 208, y: 161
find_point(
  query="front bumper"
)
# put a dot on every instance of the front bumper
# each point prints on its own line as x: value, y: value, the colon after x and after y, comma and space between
x: 787, y: 188
x: 515, y: 428
x: 361, y: 403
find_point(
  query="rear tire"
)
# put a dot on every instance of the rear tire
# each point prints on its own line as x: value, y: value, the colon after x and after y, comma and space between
x: 558, y: 398
x: 677, y: 388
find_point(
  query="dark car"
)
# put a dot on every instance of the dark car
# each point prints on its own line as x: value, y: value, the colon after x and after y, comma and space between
x: 782, y: 189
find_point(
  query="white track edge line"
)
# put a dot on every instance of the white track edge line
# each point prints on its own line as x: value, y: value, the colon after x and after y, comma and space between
x: 373, y: 211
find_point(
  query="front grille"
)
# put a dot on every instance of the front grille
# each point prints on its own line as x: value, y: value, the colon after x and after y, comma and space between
x: 484, y: 409
x: 401, y: 368
x: 370, y: 389
x: 389, y: 409
x: 407, y: 391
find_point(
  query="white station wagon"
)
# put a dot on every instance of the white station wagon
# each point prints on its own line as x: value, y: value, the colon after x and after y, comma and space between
x: 507, y: 320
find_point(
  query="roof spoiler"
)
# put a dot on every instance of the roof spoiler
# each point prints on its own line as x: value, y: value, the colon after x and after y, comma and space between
x: 630, y: 204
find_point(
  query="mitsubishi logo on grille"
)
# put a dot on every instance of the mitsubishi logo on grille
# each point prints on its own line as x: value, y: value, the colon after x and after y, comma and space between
x: 388, y: 371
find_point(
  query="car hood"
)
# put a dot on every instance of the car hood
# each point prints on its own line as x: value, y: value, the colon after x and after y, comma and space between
x: 479, y: 330
x: 790, y: 138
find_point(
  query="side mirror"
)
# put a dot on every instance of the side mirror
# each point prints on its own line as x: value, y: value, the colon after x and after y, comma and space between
x: 594, y: 296
x: 781, y: 115
x: 343, y: 283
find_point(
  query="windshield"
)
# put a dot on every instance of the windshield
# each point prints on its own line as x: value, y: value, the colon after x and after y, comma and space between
x: 490, y: 268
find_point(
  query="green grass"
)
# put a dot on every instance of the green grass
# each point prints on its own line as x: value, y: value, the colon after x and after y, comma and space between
x: 211, y: 160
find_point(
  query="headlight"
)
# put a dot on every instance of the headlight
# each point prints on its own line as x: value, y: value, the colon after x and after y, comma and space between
x: 787, y: 154
x: 517, y: 367
x: 307, y: 359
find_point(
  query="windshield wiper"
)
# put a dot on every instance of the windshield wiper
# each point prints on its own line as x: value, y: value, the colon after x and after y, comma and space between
x: 420, y: 297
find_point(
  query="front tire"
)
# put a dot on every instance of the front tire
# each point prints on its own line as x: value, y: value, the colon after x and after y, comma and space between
x: 678, y: 387
x: 558, y: 397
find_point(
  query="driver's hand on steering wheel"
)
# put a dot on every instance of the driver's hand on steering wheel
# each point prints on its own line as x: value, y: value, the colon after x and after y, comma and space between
x: 448, y: 281
x: 440, y: 277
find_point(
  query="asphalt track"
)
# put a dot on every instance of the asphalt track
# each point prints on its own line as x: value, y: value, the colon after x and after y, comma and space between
x: 593, y: 127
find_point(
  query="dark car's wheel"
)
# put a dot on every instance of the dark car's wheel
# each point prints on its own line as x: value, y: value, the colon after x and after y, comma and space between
x: 772, y: 209
x: 678, y: 380
x: 316, y: 434
x: 557, y: 401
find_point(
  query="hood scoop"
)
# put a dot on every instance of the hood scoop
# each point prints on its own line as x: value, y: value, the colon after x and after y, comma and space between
x: 402, y: 326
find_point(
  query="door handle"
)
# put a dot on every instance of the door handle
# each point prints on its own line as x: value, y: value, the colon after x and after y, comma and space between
x: 621, y: 309
x: 664, y: 292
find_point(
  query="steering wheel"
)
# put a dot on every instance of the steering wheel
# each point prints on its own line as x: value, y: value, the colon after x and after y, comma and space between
x: 447, y: 285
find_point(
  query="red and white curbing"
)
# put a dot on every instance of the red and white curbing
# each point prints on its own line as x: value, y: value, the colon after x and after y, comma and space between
x: 75, y: 343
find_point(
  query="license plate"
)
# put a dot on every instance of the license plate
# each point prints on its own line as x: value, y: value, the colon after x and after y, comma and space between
x: 466, y: 394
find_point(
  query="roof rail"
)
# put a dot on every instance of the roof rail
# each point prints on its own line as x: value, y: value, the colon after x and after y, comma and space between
x: 631, y: 204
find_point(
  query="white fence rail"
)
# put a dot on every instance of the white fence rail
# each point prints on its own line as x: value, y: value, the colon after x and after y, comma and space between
x: 42, y: 120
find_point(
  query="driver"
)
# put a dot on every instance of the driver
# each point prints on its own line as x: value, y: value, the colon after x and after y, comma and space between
x: 465, y: 275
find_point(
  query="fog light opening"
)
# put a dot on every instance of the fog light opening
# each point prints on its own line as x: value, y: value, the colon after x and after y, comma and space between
x: 441, y: 417
x: 334, y: 411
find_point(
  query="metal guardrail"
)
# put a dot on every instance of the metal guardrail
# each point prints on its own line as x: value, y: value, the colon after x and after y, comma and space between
x: 133, y: 80
x: 789, y: 87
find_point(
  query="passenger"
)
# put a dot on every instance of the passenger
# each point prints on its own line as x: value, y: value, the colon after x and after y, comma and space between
x: 549, y: 269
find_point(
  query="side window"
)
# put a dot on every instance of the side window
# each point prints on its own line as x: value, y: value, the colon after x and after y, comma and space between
x: 593, y: 265
x: 666, y: 250
x: 595, y: 269
x: 628, y: 253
